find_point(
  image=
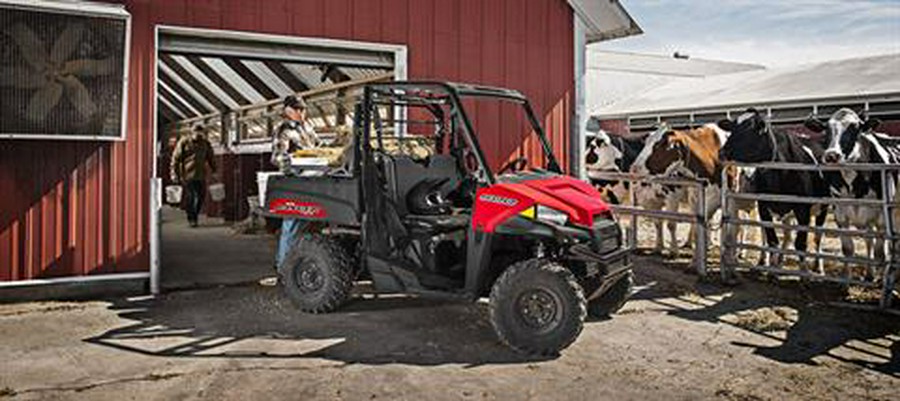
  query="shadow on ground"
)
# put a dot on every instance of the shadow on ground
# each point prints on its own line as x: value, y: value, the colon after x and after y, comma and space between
x: 816, y: 329
x: 225, y: 322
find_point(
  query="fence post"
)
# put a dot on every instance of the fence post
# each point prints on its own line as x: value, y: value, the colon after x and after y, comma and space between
x: 888, y: 275
x: 702, y: 231
x: 632, y: 234
x: 727, y: 231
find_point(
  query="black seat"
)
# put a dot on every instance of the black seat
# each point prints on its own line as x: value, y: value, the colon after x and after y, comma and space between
x: 403, y: 174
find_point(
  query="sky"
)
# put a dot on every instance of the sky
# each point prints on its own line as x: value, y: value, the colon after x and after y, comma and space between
x: 769, y: 32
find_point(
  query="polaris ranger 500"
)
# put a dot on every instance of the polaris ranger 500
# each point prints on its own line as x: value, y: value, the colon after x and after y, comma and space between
x: 417, y: 209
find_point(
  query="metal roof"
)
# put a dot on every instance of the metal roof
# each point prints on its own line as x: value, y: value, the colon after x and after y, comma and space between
x: 605, y: 19
x: 193, y: 85
x: 654, y: 64
x: 612, y: 76
x: 857, y: 78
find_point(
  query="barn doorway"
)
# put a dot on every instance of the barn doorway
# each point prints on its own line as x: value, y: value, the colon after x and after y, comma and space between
x: 232, y: 84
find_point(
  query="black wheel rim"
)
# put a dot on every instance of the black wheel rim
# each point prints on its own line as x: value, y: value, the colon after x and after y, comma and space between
x: 539, y: 309
x: 308, y: 277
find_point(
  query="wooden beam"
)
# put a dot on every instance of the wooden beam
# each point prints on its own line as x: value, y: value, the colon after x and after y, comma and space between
x: 312, y: 92
x: 287, y: 76
x: 251, y: 78
x: 334, y: 73
x: 193, y: 82
x: 217, y: 79
x: 164, y: 93
x: 184, y: 94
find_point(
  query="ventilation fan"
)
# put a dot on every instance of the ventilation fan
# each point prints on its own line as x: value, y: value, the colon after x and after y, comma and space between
x: 62, y: 72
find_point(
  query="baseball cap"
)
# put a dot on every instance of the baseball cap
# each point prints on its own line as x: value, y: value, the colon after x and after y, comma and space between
x: 294, y: 102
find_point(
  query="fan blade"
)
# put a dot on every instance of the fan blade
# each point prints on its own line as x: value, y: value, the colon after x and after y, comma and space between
x: 33, y: 49
x: 79, y: 96
x: 90, y: 68
x: 20, y: 78
x: 66, y: 43
x: 43, y: 101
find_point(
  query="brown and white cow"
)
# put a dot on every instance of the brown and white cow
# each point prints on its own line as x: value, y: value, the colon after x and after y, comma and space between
x: 686, y: 154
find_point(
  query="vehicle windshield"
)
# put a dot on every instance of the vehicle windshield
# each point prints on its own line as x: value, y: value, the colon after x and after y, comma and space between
x: 494, y: 131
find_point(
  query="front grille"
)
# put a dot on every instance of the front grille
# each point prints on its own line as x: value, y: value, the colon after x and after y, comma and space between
x: 607, y: 235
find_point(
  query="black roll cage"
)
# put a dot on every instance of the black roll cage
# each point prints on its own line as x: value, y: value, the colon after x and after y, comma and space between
x: 406, y: 93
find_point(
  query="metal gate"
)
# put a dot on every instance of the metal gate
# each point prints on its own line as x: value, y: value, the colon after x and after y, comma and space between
x: 888, y: 206
x: 697, y: 216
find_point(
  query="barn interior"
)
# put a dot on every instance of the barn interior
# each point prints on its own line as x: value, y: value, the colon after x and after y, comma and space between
x: 233, y: 87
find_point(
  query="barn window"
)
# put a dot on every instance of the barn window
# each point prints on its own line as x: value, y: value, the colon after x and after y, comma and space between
x: 791, y: 114
x: 641, y: 123
x: 705, y: 118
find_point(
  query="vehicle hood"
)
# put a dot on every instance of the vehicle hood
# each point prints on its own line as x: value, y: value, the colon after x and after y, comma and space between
x: 513, y: 194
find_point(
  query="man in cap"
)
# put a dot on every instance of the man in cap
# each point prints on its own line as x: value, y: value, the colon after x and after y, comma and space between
x: 192, y: 161
x: 293, y: 134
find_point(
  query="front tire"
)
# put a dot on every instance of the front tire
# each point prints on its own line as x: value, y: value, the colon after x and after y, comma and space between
x: 613, y: 299
x: 537, y: 307
x: 317, y: 274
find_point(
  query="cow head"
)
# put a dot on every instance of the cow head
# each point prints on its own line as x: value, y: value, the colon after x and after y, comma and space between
x: 656, y: 139
x: 750, y: 140
x: 843, y: 130
x: 671, y: 149
x: 601, y: 154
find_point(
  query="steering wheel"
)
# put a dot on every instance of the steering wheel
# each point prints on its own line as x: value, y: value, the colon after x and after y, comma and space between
x: 518, y: 164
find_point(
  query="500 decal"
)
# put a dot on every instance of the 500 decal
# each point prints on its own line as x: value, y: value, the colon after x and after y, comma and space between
x: 500, y: 200
x: 297, y: 208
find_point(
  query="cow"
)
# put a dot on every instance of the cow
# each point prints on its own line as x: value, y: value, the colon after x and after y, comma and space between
x: 691, y: 154
x: 606, y: 153
x: 753, y: 140
x: 617, y: 154
x: 851, y: 139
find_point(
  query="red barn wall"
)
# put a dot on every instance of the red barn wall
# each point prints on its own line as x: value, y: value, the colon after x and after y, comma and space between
x: 82, y: 208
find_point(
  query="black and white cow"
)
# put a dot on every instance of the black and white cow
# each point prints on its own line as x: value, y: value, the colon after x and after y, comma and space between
x: 851, y: 139
x: 607, y: 153
x: 753, y: 140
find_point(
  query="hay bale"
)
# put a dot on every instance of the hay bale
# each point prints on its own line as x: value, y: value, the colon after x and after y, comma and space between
x: 767, y: 319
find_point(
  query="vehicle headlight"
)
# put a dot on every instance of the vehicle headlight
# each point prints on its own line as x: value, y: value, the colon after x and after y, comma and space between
x: 546, y: 214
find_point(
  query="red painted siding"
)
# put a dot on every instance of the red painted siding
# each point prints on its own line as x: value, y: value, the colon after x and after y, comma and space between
x: 79, y: 208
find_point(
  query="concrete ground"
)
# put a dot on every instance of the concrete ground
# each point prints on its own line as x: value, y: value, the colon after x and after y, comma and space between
x: 677, y: 339
x: 211, y: 254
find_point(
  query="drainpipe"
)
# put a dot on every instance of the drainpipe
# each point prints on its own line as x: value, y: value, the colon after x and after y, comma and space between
x: 579, y: 118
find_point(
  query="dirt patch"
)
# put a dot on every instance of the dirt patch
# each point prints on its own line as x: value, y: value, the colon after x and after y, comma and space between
x: 679, y: 338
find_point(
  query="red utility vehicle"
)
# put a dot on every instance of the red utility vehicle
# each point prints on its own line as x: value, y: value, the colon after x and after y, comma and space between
x: 424, y: 214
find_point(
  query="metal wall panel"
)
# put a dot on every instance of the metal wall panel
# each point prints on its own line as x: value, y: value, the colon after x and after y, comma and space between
x: 83, y: 208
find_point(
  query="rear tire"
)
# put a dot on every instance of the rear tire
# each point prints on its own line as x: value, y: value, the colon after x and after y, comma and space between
x: 614, y: 298
x: 317, y: 274
x: 537, y: 307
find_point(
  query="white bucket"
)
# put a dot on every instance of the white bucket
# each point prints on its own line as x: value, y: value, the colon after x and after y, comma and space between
x: 217, y: 192
x: 173, y: 194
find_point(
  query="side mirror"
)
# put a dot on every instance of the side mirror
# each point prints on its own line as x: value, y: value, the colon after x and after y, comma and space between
x: 815, y: 125
x: 726, y: 125
x: 871, y: 124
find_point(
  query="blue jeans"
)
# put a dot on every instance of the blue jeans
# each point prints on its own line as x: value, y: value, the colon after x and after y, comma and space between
x: 196, y: 193
x: 290, y: 233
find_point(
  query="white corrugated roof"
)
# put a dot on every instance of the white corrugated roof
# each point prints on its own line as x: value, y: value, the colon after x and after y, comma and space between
x: 613, y: 76
x: 653, y: 64
x: 851, y: 78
